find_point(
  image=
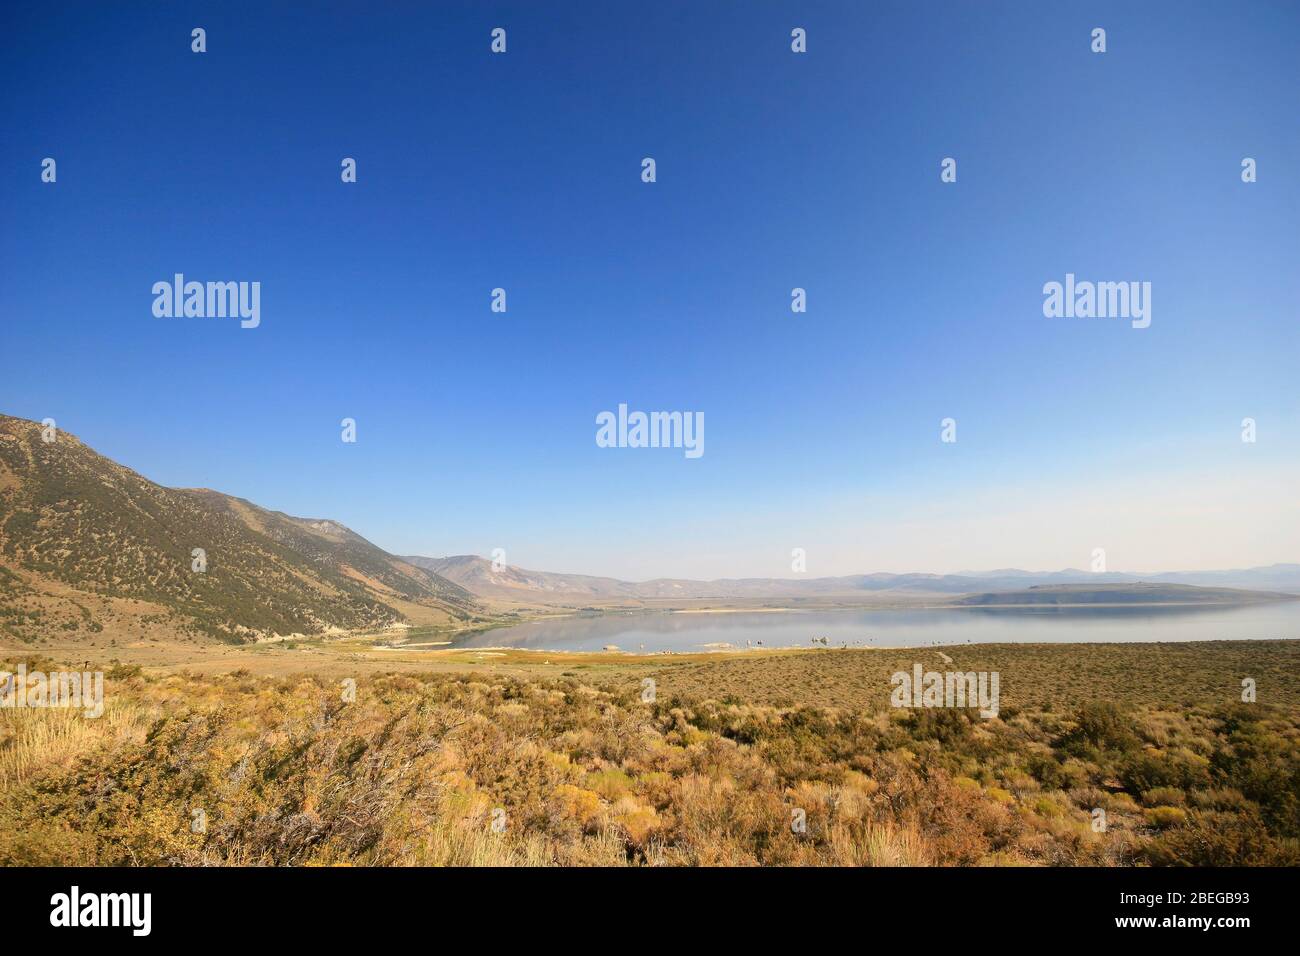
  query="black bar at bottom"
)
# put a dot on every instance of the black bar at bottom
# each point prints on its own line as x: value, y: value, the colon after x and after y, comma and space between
x: 336, y: 906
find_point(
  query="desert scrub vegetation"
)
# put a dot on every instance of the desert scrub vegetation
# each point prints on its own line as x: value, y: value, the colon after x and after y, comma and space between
x: 40, y: 740
x: 418, y: 767
x: 1042, y: 677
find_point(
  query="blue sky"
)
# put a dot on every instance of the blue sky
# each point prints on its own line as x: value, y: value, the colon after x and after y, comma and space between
x: 775, y: 170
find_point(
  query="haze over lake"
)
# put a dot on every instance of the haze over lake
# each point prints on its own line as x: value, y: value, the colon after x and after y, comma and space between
x: 904, y: 627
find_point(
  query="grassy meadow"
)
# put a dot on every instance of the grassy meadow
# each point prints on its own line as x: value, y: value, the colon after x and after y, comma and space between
x: 452, y: 758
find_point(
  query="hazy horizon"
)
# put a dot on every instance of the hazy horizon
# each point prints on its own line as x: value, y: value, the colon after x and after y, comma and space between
x: 964, y: 572
x: 1238, y: 520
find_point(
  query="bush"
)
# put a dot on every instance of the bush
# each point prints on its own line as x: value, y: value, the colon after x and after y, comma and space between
x: 1101, y: 725
x: 1221, y: 839
x: 1163, y: 817
x: 1164, y: 797
x: 1146, y: 771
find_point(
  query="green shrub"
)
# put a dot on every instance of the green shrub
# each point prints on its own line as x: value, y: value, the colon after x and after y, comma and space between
x: 1163, y: 817
x: 1164, y: 797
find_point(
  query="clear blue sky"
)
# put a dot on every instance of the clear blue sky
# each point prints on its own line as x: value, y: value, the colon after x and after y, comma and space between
x: 775, y: 170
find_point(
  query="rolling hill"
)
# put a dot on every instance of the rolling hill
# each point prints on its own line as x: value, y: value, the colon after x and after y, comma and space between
x: 1139, y: 593
x: 86, y: 543
x: 477, y: 576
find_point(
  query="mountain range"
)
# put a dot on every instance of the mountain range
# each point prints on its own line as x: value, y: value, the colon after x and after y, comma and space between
x: 478, y: 576
x: 86, y: 543
x: 89, y: 549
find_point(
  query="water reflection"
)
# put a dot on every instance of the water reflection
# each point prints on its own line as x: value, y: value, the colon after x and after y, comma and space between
x: 904, y: 627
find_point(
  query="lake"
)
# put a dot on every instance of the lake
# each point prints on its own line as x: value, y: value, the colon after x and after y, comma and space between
x: 902, y: 627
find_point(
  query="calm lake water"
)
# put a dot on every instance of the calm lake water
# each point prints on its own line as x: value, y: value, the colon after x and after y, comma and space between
x: 909, y: 627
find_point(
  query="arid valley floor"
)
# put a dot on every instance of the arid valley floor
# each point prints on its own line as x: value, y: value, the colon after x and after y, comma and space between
x: 772, y: 757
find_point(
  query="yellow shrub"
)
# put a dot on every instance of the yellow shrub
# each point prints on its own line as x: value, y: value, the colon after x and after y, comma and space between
x: 576, y: 803
x: 610, y: 784
x: 1163, y: 817
x: 637, y: 820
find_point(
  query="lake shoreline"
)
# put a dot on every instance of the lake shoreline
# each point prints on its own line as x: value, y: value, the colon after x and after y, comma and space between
x: 741, y: 631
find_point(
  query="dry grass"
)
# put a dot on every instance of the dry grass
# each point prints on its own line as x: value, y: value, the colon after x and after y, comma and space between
x: 42, y: 740
x: 415, y: 770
